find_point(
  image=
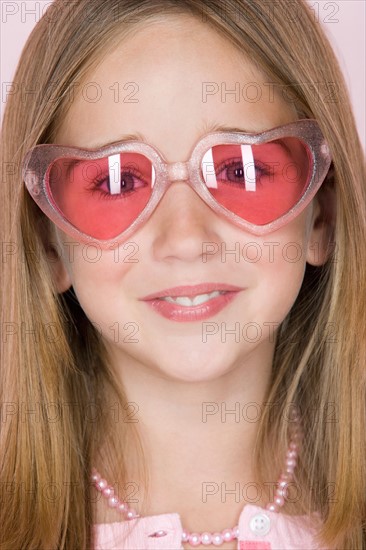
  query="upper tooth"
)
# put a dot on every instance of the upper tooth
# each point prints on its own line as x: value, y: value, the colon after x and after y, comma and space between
x: 197, y: 300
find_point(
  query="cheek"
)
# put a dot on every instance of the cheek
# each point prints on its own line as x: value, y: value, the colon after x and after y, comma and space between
x: 283, y: 278
x: 97, y: 275
x: 272, y: 291
x: 279, y: 273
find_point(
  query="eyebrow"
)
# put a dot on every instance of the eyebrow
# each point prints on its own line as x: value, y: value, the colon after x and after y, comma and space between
x: 225, y: 128
x: 206, y: 130
x: 124, y: 137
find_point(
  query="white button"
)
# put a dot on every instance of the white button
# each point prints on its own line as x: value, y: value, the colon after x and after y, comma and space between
x: 260, y: 524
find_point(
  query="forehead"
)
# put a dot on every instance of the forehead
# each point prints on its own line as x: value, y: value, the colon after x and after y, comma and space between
x: 171, y: 82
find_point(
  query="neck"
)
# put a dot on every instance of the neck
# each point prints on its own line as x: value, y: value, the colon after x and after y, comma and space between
x: 198, y: 439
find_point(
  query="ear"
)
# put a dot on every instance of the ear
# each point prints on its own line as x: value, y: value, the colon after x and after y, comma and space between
x: 53, y: 249
x: 321, y: 239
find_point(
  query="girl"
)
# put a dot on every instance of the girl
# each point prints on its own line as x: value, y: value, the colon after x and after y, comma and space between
x: 183, y: 273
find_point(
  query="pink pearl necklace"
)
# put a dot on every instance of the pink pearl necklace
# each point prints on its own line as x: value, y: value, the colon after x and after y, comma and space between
x: 227, y: 535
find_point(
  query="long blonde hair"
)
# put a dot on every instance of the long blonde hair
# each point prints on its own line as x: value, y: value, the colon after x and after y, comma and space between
x: 320, y: 348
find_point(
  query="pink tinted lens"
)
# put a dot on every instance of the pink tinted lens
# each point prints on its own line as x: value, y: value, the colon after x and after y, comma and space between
x: 258, y: 183
x: 101, y: 197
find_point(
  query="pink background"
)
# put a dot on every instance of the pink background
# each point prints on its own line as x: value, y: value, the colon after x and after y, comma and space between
x: 344, y: 22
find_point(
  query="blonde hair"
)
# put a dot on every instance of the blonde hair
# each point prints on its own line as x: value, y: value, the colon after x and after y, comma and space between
x: 320, y: 348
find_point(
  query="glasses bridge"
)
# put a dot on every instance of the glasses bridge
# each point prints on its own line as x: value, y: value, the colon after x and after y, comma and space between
x: 178, y: 171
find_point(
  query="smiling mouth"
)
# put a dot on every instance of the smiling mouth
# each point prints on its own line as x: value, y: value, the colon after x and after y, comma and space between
x: 194, y: 300
x: 192, y: 303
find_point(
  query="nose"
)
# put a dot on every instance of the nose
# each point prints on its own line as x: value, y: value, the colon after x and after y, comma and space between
x: 182, y: 223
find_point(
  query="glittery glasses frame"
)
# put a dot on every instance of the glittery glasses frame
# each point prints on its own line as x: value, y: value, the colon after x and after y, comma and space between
x: 39, y: 158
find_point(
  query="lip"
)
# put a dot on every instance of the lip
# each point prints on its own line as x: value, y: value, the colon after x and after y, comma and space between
x: 191, y: 290
x: 185, y: 314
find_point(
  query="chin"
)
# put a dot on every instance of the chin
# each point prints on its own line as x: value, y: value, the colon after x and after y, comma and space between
x: 199, y: 370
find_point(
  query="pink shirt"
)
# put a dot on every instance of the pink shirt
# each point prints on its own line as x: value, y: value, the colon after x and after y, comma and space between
x: 259, y: 529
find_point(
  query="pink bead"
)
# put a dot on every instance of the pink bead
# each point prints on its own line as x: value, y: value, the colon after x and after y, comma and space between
x: 291, y: 454
x: 123, y: 507
x: 272, y: 508
x: 282, y: 483
x: 279, y: 500
x: 227, y: 535
x: 236, y: 532
x: 108, y: 492
x: 95, y: 477
x: 282, y: 492
x: 113, y: 502
x: 185, y: 536
x: 217, y: 539
x: 290, y: 466
x: 293, y: 446
x: 102, y: 484
x: 131, y: 514
x: 194, y: 539
x: 206, y: 538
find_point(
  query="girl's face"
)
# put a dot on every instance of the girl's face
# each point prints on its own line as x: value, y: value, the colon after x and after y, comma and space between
x: 171, y: 83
